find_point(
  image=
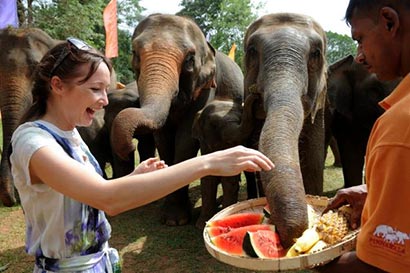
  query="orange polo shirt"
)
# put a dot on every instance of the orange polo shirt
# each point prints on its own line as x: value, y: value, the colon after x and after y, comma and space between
x: 384, y: 239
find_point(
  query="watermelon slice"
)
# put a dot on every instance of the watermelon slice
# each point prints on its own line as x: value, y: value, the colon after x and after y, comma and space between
x: 237, y: 220
x: 215, y: 231
x: 264, y: 244
x: 232, y: 241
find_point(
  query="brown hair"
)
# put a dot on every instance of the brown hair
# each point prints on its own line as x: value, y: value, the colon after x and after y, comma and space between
x: 66, y: 69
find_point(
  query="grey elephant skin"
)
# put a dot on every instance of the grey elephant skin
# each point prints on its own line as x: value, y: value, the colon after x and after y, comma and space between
x: 222, y: 124
x: 285, y: 62
x: 177, y: 73
x: 353, y: 94
x: 21, y: 50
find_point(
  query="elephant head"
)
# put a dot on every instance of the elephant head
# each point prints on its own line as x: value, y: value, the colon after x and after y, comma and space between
x: 21, y: 50
x: 285, y: 62
x: 173, y: 63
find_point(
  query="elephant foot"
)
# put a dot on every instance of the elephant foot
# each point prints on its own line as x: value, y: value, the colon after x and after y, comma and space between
x: 8, y: 200
x: 176, y: 213
x: 337, y: 164
x: 201, y: 221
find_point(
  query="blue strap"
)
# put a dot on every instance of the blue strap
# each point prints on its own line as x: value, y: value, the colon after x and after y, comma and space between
x: 67, y: 147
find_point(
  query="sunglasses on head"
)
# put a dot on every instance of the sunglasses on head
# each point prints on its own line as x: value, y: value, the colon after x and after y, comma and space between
x: 72, y: 42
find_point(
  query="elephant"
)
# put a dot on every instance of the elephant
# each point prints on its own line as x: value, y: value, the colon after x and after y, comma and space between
x: 97, y: 136
x: 285, y: 61
x: 222, y: 124
x: 178, y: 72
x: 353, y: 95
x: 21, y: 50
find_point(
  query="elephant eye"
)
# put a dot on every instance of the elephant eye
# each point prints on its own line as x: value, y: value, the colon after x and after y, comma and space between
x: 189, y: 63
x: 315, y: 54
x: 315, y: 59
x: 136, y: 63
x: 251, y: 51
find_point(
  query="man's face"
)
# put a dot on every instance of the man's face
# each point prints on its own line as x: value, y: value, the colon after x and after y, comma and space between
x: 374, y: 49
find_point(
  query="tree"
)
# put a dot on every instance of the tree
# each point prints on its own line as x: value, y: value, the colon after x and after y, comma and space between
x: 224, y: 22
x: 84, y: 19
x: 339, y: 46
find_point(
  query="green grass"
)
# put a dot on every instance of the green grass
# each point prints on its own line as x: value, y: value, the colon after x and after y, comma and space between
x: 145, y: 245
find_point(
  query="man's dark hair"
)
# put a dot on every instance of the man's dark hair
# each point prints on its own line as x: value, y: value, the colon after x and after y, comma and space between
x: 370, y: 5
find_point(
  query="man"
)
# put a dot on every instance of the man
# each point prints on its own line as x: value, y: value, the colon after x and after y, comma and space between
x: 382, y: 30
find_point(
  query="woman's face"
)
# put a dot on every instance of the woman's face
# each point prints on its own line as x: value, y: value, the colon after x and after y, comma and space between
x: 81, y: 100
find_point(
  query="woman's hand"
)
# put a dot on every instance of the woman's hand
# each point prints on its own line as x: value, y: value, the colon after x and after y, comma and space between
x: 355, y: 197
x: 149, y: 165
x: 234, y: 160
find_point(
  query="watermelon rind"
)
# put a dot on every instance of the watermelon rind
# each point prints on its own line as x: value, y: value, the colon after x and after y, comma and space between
x: 263, y: 244
x: 266, y: 211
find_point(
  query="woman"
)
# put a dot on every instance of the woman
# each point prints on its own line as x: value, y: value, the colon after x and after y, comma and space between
x: 63, y: 196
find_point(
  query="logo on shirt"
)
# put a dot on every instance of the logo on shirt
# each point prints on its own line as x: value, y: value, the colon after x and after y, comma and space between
x: 385, y: 236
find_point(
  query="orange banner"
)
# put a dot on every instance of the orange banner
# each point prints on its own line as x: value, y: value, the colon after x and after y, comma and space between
x: 110, y: 25
x: 232, y: 52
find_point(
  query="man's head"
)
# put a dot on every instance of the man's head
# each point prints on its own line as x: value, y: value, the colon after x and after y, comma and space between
x: 382, y: 30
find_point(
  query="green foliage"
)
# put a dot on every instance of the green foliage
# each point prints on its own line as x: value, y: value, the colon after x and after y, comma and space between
x: 224, y: 21
x: 339, y: 46
x: 63, y: 18
x: 84, y: 20
x: 122, y: 63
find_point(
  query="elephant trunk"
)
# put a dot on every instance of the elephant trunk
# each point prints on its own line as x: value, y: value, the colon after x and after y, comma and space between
x: 11, y: 111
x: 157, y: 85
x: 279, y: 139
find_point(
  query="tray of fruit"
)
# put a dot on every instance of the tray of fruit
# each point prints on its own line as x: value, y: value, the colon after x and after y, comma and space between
x: 241, y: 235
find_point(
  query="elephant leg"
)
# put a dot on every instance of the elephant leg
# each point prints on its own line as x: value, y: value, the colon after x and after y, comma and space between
x: 251, y: 187
x: 146, y: 146
x: 352, y: 158
x: 351, y: 149
x: 177, y: 205
x: 312, y: 158
x: 8, y: 193
x: 209, y: 188
x: 230, y: 186
x: 121, y: 167
x: 336, y: 154
x: 253, y: 180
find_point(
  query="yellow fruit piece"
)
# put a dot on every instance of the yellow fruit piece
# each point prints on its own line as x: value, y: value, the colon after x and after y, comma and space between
x: 307, y: 240
x: 320, y: 245
x: 292, y: 252
x: 332, y: 226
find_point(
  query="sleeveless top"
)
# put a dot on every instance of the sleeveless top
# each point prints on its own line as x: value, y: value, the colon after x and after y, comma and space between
x: 59, y: 229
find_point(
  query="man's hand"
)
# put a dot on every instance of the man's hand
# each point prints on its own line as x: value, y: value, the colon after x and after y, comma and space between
x: 355, y: 197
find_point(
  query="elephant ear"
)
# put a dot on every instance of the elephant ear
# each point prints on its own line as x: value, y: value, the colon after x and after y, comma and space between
x: 321, y: 97
x: 206, y: 77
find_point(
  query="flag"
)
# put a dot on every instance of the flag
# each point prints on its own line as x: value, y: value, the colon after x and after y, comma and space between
x: 8, y: 13
x: 232, y: 52
x: 110, y: 25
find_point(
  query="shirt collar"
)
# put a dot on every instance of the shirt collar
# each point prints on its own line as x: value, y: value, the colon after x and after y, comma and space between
x: 402, y: 90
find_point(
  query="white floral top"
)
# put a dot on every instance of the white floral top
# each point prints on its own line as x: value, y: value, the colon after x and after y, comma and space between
x: 58, y: 227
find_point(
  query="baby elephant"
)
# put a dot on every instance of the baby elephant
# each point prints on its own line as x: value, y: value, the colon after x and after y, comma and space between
x: 221, y: 124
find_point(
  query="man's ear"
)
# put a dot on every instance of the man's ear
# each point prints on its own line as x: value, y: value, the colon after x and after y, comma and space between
x: 390, y: 19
